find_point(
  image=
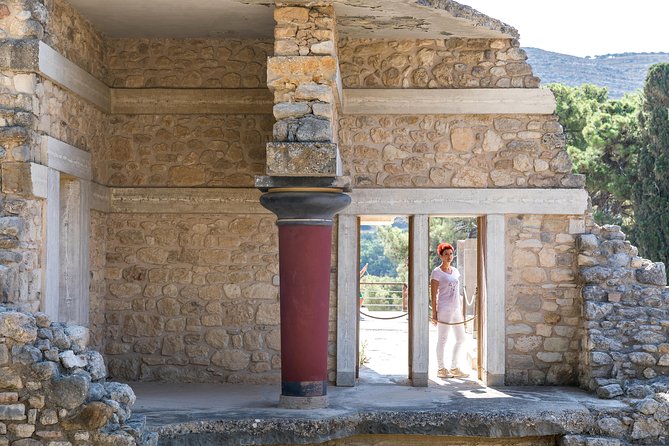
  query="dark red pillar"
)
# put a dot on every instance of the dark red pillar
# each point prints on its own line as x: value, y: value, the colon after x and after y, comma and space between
x: 305, y: 245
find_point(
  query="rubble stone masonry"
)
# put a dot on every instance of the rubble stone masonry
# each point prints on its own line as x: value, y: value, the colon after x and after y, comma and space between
x: 449, y: 63
x: 490, y: 151
x: 543, y: 306
x: 191, y: 298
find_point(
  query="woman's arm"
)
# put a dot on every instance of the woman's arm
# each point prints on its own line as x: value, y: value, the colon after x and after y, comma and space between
x: 434, y: 287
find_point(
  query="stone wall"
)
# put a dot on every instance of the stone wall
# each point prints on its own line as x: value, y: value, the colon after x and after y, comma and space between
x: 449, y: 63
x: 20, y: 211
x: 192, y: 298
x: 186, y: 150
x: 98, y: 283
x: 187, y: 63
x: 456, y: 151
x: 626, y: 311
x: 53, y: 389
x: 543, y: 306
x: 69, y: 33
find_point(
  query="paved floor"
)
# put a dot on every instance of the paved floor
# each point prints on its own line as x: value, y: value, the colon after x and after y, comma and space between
x: 383, y: 402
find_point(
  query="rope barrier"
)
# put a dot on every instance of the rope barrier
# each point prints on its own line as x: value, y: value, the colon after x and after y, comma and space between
x: 457, y: 323
x: 383, y: 318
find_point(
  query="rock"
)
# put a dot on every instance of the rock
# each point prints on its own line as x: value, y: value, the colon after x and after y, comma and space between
x: 646, y: 428
x: 595, y: 311
x: 91, y: 417
x: 291, y: 110
x: 71, y: 361
x: 638, y: 391
x: 45, y: 370
x: 10, y: 379
x: 612, y: 426
x: 601, y: 358
x: 18, y: 326
x: 648, y: 406
x: 649, y: 337
x: 610, y: 391
x: 68, y: 392
x: 642, y: 359
x: 59, y: 339
x: 587, y: 242
x: 653, y: 274
x: 96, y: 392
x: 96, y: 365
x: 596, y: 274
x: 594, y: 293
x: 79, y: 337
x: 121, y: 393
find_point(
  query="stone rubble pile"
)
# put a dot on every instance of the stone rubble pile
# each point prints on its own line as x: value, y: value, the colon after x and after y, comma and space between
x: 53, y: 389
x: 626, y: 343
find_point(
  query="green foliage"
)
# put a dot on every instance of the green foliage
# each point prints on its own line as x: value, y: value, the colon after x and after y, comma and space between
x: 396, y: 248
x: 371, y: 253
x: 448, y: 230
x: 603, y: 141
x: 381, y: 297
x: 651, y: 191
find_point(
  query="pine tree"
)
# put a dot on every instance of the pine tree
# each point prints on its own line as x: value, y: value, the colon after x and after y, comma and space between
x: 651, y: 195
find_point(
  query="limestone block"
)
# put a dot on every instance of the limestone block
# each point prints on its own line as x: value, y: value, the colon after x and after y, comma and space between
x: 314, y: 92
x: 463, y: 139
x: 285, y: 110
x: 19, y: 55
x: 18, y: 326
x: 303, y: 159
x: 653, y: 274
x: 295, y: 70
x: 609, y: 391
x: 68, y: 392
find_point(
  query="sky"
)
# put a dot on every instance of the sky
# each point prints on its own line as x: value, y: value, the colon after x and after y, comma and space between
x: 584, y: 27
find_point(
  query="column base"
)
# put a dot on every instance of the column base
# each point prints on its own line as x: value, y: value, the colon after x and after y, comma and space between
x: 303, y: 402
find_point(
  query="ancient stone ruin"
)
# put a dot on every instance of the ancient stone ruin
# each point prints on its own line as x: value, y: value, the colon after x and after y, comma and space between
x: 134, y: 246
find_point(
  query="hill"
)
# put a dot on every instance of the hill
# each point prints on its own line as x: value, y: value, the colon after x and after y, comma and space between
x: 620, y: 73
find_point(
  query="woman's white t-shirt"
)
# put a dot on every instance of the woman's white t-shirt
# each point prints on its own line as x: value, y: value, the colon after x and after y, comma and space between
x: 449, y: 302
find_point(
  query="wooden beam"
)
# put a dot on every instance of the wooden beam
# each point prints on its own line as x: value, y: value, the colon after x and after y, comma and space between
x: 191, y: 101
x: 480, y: 101
x: 67, y: 74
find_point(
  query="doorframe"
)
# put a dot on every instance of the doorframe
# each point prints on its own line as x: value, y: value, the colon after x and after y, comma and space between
x: 492, y: 205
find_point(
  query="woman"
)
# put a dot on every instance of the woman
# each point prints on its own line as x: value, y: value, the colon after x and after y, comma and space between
x: 447, y: 312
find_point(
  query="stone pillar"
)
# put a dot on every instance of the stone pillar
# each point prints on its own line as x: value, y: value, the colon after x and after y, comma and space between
x: 22, y: 178
x: 304, y: 188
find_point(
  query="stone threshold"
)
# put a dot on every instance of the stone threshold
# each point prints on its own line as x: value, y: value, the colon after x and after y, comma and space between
x: 236, y: 414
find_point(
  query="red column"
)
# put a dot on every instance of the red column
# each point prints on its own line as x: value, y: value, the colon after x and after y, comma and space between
x: 305, y: 248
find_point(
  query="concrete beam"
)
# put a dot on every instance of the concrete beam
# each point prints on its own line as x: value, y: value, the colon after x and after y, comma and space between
x: 480, y: 101
x: 191, y: 101
x: 67, y: 159
x: 69, y: 75
x: 187, y: 200
x: 467, y: 201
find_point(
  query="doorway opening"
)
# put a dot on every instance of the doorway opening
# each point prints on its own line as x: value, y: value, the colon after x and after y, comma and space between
x: 383, y: 307
x: 463, y: 328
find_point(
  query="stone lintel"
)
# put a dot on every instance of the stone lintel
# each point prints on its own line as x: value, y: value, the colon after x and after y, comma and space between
x: 67, y: 159
x: 480, y: 101
x: 384, y: 201
x: 19, y: 55
x: 316, y: 159
x: 62, y: 71
x: 265, y: 183
x: 191, y: 101
x: 157, y: 200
